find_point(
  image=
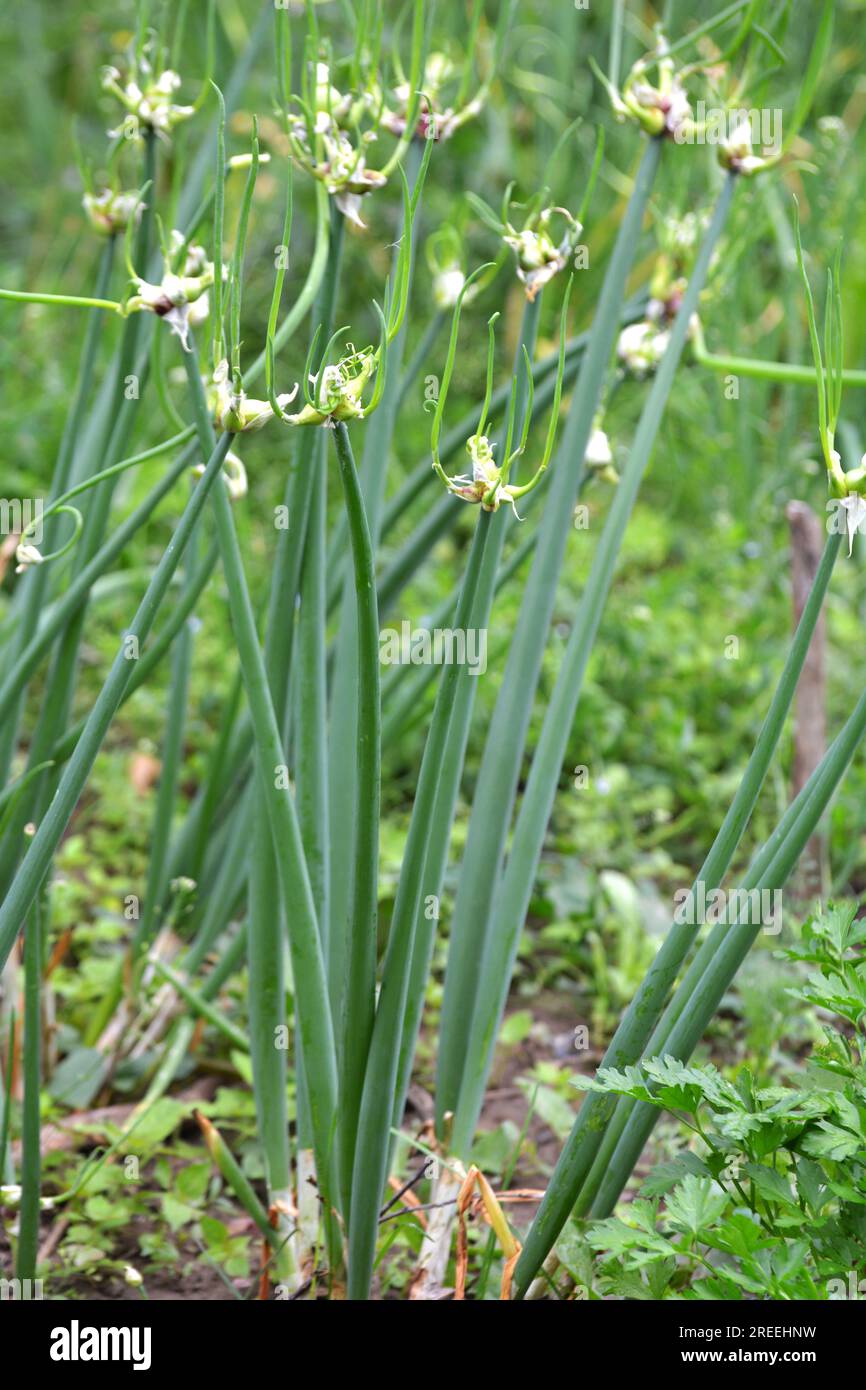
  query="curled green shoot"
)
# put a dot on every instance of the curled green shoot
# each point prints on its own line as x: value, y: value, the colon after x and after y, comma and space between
x: 282, y: 267
x: 334, y: 391
x: 330, y: 131
x: 368, y: 43
x: 60, y: 506
x: 828, y: 366
x: 381, y: 358
x: 593, y: 176
x: 84, y: 301
x: 398, y: 296
x: 508, y: 457
x: 28, y: 554
x: 488, y: 385
x: 450, y: 359
x: 237, y: 266
x: 557, y: 399
x: 489, y: 484
x: 277, y: 337
x: 129, y: 235
x: 218, y: 227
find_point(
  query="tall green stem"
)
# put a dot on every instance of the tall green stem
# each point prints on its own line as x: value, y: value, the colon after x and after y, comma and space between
x: 31, y: 1164
x: 373, y: 1141
x: 342, y: 789
x: 452, y: 765
x: 361, y: 955
x: 311, y: 996
x: 306, y: 500
x: 515, y: 890
x: 499, y: 773
x: 172, y: 759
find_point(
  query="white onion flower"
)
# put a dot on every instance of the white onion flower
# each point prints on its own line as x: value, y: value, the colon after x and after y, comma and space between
x: 235, y: 479
x: 150, y: 99
x: 641, y: 346
x: 598, y: 452
x: 181, y: 299
x: 485, y: 477
x: 539, y: 256
x: 235, y: 410
x: 109, y: 212
x: 337, y: 390
x: 736, y: 152
x: 447, y: 285
x: 27, y: 555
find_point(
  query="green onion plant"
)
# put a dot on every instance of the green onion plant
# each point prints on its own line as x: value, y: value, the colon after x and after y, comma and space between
x: 270, y: 871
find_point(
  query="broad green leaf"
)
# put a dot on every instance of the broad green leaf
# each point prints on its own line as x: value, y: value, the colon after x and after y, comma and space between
x: 192, y: 1181
x: 695, y: 1205
x: 770, y: 1185
x: 553, y: 1110
x: 515, y: 1028
x: 576, y: 1255
x: 739, y: 1234
x: 79, y: 1077
x: 617, y: 1238
x: 811, y: 1184
x: 157, y: 1124
x: 829, y: 1141
x: 666, y: 1175
x: 176, y: 1213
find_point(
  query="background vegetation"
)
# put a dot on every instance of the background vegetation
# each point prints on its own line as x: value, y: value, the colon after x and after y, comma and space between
x: 667, y: 718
